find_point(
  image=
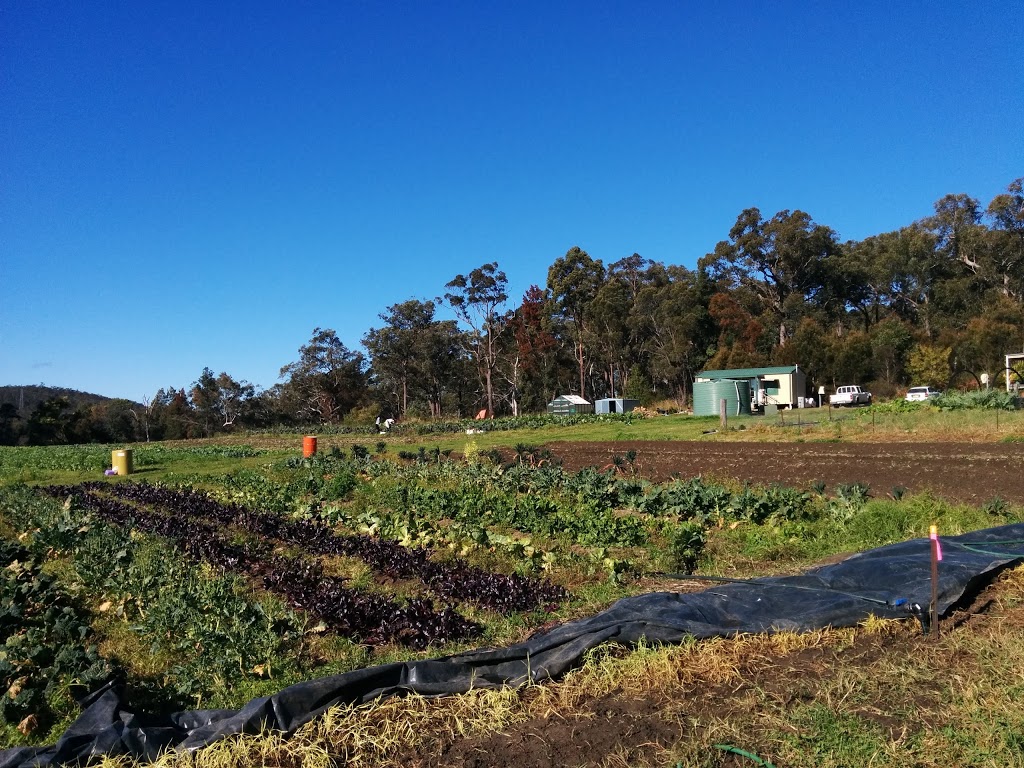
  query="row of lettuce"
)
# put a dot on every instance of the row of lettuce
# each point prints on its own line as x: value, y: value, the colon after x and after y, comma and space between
x: 214, y: 589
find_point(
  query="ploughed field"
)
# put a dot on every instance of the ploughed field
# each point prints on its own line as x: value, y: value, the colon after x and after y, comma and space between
x: 967, y: 472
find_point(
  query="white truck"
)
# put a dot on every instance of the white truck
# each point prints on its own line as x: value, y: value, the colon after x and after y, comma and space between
x: 849, y: 395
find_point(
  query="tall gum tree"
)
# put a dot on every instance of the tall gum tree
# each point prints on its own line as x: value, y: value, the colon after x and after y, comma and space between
x: 1007, y: 241
x: 327, y: 380
x: 479, y: 299
x: 412, y: 354
x: 776, y: 258
x: 574, y: 281
x: 677, y: 329
x: 957, y: 227
x: 527, y: 365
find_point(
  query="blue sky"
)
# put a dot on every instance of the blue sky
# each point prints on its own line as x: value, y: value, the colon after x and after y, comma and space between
x: 202, y: 184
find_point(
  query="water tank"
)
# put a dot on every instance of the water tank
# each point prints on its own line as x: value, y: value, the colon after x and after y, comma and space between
x: 708, y: 394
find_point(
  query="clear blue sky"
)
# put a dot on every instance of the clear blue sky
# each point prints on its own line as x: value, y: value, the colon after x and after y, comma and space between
x: 201, y: 184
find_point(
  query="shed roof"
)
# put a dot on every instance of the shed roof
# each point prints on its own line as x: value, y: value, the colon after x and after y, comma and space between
x: 574, y: 399
x: 747, y: 373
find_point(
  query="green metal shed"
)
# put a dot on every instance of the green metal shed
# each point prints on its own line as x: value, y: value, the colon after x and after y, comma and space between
x: 566, y: 404
x: 781, y: 385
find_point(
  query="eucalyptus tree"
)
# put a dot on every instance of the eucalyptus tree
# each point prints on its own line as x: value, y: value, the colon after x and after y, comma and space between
x: 608, y: 318
x: 981, y: 345
x: 812, y: 345
x: 10, y: 428
x: 871, y: 275
x: 891, y: 342
x: 393, y: 348
x: 203, y: 395
x: 234, y: 399
x: 172, y: 415
x: 621, y: 319
x: 958, y: 230
x: 1007, y: 239
x: 900, y: 270
x: 574, y: 281
x: 678, y: 329
x: 740, y: 333
x: 529, y: 361
x: 52, y: 422
x: 785, y: 255
x: 412, y: 355
x: 327, y: 380
x: 479, y: 299
x: 219, y: 401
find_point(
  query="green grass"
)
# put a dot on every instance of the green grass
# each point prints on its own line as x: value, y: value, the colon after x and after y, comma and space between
x: 831, y: 739
x: 68, y: 464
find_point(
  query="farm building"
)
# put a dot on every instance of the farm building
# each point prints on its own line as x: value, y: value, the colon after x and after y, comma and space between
x: 782, y: 386
x: 615, y: 405
x: 564, y: 404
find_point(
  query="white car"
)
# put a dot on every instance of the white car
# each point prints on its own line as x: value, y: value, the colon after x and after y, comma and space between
x: 921, y: 394
x: 849, y: 395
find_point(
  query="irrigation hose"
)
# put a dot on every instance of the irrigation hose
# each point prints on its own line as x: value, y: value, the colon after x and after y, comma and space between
x: 994, y: 541
x: 981, y: 551
x: 743, y: 753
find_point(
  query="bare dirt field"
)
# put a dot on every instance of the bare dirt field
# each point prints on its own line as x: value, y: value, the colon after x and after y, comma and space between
x: 967, y: 472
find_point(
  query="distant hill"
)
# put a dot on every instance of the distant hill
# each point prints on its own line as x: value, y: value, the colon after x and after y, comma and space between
x: 26, y: 398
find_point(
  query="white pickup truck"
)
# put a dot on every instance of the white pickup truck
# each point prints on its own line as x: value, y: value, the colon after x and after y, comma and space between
x: 850, y: 395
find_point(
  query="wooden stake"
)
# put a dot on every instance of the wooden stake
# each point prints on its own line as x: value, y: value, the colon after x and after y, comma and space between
x: 935, y: 580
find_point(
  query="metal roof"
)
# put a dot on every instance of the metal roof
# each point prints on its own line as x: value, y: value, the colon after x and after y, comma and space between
x: 574, y: 399
x: 747, y: 373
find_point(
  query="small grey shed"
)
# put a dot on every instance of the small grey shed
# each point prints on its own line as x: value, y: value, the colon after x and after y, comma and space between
x: 615, y: 405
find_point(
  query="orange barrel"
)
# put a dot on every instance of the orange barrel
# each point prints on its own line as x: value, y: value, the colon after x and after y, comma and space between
x: 308, y: 446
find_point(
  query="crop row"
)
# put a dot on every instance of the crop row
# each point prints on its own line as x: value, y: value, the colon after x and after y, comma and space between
x: 187, y: 632
x: 45, y: 643
x: 370, y: 618
x: 453, y: 579
x: 549, y: 498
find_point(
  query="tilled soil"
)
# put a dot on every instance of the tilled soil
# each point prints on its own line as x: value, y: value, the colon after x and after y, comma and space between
x: 967, y: 472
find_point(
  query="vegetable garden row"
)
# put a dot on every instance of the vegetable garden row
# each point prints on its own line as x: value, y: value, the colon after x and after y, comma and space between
x: 209, y: 589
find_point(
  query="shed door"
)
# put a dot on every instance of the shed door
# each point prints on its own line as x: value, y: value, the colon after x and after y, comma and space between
x: 611, y: 406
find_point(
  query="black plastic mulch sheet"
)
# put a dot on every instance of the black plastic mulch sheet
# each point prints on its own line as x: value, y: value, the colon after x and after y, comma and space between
x: 885, y: 582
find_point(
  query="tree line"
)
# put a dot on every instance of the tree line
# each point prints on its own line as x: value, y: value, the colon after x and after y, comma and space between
x: 937, y: 302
